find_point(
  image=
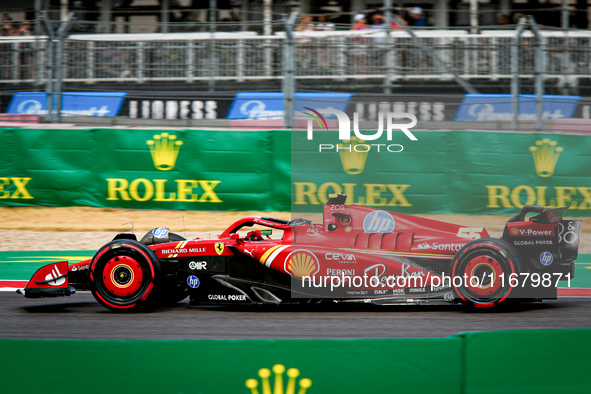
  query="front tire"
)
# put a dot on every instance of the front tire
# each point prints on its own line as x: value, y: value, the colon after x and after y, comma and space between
x: 484, y: 266
x: 124, y: 276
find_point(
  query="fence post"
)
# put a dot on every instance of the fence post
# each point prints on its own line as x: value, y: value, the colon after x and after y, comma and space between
x: 61, y: 34
x: 55, y: 63
x: 49, y: 67
x: 140, y: 62
x: 91, y: 61
x: 529, y: 22
x: 515, y: 73
x: 427, y: 49
x: 267, y: 31
x: 539, y: 73
x: 289, y: 71
x: 190, y: 61
x: 388, y: 63
x: 240, y: 61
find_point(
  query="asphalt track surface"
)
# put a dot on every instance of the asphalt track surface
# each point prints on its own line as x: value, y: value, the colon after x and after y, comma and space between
x: 81, y: 317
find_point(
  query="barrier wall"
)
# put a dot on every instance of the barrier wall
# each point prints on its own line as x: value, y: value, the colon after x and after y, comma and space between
x: 441, y: 172
x: 487, y: 362
x: 181, y: 169
x: 444, y: 171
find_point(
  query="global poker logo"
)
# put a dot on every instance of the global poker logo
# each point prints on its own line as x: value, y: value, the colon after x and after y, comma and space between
x: 353, y: 150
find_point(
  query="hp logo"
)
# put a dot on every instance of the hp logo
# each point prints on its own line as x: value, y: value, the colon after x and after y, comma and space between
x: 193, y: 282
x: 160, y: 232
x: 546, y: 258
x: 378, y: 222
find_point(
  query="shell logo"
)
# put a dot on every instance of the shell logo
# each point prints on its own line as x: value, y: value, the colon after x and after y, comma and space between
x: 302, y: 263
x: 514, y: 231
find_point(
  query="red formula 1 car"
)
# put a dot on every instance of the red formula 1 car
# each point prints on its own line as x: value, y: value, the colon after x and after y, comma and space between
x: 357, y: 254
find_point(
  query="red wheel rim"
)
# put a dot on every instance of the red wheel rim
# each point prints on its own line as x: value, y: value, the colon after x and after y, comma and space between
x: 122, y: 276
x: 483, y: 275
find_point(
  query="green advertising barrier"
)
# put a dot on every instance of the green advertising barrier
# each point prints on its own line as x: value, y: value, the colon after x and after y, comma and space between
x: 441, y: 172
x: 529, y: 361
x: 490, y: 362
x: 332, y: 366
x: 180, y: 169
x: 444, y: 171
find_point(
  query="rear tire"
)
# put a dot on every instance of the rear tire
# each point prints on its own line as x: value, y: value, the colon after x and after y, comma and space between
x: 124, y: 276
x: 485, y: 266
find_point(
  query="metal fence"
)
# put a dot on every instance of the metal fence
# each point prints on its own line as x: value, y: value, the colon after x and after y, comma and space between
x: 337, y: 55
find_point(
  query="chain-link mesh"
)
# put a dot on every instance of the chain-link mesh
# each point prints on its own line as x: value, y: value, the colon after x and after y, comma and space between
x: 337, y: 56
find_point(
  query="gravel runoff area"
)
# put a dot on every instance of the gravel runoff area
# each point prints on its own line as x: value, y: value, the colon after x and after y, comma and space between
x: 86, y: 228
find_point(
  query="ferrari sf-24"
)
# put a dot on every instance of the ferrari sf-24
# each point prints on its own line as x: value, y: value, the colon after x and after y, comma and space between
x: 357, y: 254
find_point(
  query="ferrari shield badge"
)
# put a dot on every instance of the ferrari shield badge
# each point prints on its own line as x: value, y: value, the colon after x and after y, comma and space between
x: 219, y: 248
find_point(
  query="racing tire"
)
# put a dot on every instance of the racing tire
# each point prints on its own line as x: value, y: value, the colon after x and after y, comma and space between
x: 484, y: 266
x: 124, y: 276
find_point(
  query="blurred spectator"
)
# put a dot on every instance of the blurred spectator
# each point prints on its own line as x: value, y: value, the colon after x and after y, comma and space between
x: 378, y: 27
x: 360, y: 45
x: 303, y: 51
x: 416, y: 15
x: 504, y: 19
x: 114, y: 62
x: 324, y: 24
x: 7, y: 28
x: 394, y: 24
x: 377, y: 24
x: 25, y: 29
x: 306, y: 23
x: 6, y: 48
x: 325, y: 50
x: 27, y: 53
x: 419, y: 59
x: 359, y: 22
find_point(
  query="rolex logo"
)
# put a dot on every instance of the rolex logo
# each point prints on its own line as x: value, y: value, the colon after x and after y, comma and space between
x: 278, y: 369
x: 353, y: 155
x: 164, y: 149
x: 545, y: 154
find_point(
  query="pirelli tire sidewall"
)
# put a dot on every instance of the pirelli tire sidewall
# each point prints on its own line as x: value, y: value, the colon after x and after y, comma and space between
x: 483, y: 257
x: 124, y: 276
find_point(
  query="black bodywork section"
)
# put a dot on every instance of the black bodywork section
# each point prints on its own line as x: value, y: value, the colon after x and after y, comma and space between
x: 227, y: 279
